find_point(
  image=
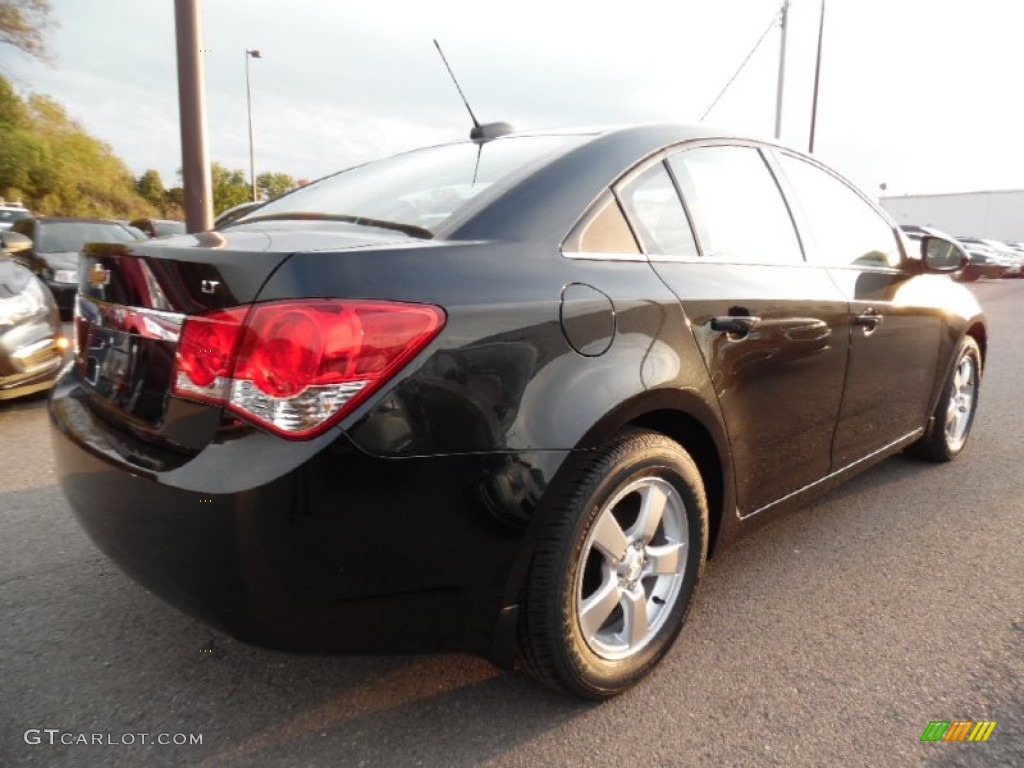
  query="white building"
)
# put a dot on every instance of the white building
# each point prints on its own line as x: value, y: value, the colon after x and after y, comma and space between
x: 998, y: 215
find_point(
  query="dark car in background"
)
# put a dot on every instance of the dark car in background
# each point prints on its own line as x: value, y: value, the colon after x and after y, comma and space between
x: 31, y: 344
x: 56, y: 242
x: 503, y: 396
x: 159, y: 227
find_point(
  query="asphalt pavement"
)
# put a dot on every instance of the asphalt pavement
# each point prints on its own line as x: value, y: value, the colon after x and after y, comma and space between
x: 831, y: 637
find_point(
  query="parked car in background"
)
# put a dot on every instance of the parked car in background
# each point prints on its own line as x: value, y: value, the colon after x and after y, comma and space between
x: 31, y: 344
x: 1014, y: 254
x: 159, y: 227
x: 235, y: 212
x: 503, y: 396
x: 11, y: 212
x: 989, y: 258
x: 56, y: 242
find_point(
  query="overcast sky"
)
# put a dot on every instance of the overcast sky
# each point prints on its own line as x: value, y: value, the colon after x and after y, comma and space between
x: 923, y: 95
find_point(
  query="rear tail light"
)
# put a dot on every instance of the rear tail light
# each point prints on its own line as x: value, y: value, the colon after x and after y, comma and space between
x: 297, y: 367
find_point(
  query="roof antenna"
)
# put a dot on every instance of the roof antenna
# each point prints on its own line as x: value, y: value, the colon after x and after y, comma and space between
x: 479, y: 132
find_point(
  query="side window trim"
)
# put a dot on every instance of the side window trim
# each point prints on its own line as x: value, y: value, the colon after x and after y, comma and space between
x: 788, y: 199
x: 628, y: 178
x: 659, y: 159
x: 698, y: 238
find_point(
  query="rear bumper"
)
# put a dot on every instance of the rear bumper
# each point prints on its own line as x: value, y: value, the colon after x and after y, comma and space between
x: 344, y: 552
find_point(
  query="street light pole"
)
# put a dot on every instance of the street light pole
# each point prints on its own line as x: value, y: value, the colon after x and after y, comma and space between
x: 251, y: 54
x: 817, y: 79
x: 195, y: 166
x: 782, y: 69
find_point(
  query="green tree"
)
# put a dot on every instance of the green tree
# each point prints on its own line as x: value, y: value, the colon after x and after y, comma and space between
x: 273, y: 185
x: 55, y: 167
x: 24, y: 24
x: 174, y: 203
x: 150, y: 187
x: 230, y: 187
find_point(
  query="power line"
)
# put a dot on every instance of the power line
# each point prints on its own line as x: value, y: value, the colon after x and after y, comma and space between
x: 736, y: 74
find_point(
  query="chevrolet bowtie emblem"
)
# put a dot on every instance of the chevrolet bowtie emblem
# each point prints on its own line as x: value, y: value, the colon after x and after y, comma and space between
x: 99, y: 275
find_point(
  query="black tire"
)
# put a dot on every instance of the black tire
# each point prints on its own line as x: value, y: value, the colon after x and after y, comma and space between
x: 621, y: 483
x: 940, y: 443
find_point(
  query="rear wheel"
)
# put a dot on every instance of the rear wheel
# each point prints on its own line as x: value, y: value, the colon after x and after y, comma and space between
x: 954, y: 415
x: 616, y: 567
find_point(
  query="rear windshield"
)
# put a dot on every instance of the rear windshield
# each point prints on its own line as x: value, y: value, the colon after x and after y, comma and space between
x: 62, y: 236
x: 417, y: 191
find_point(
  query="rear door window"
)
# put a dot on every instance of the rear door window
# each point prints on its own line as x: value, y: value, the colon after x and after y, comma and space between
x: 736, y: 205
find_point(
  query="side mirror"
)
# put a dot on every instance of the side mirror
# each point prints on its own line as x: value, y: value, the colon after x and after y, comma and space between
x: 941, y: 255
x: 15, y: 242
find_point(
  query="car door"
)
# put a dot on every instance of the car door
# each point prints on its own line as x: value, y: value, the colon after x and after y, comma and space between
x: 766, y: 322
x: 894, y: 334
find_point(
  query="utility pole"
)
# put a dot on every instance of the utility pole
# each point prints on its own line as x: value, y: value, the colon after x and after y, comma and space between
x: 817, y: 79
x: 195, y: 164
x: 784, y: 16
x: 251, y: 54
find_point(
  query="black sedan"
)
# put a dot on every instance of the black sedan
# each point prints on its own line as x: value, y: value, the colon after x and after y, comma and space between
x: 56, y: 242
x: 31, y: 344
x: 503, y: 396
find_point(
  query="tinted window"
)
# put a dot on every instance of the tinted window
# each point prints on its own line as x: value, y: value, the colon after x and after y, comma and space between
x: 416, y: 189
x: 847, y: 231
x: 657, y: 214
x: 70, y: 236
x: 604, y: 230
x: 736, y: 205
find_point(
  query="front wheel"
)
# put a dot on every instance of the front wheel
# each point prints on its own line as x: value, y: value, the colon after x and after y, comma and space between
x: 954, y: 415
x: 615, y: 567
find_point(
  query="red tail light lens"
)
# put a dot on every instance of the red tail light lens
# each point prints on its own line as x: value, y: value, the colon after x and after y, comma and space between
x: 284, y: 351
x: 206, y: 353
x: 297, y: 367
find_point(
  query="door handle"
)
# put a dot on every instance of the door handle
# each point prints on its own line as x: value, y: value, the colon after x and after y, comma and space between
x: 869, y: 320
x: 735, y: 323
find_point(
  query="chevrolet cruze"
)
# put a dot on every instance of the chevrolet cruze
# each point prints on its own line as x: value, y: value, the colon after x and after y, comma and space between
x: 503, y: 396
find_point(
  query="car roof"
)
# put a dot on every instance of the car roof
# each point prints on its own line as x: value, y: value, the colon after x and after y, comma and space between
x: 552, y: 196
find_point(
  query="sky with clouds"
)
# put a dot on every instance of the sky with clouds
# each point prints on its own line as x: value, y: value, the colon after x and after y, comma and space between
x: 922, y: 95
